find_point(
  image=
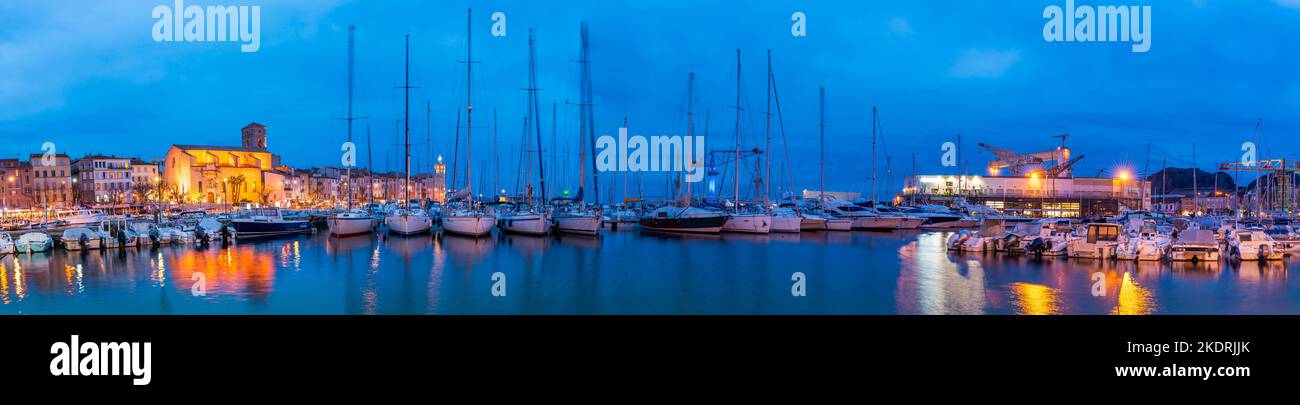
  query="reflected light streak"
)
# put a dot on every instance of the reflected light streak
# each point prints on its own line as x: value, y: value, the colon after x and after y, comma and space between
x: 1133, y: 299
x: 1035, y: 299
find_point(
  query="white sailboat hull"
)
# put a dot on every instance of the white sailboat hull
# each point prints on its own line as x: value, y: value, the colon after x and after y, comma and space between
x: 528, y: 224
x: 468, y: 225
x: 785, y: 224
x: 583, y: 225
x: 839, y: 225
x: 340, y: 226
x: 408, y: 224
x: 748, y: 224
x: 877, y: 223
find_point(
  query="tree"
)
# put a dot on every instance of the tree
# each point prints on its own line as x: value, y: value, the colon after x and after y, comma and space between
x: 236, y: 183
x: 141, y: 191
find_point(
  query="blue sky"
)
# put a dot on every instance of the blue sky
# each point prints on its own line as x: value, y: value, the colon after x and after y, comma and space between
x: 88, y: 76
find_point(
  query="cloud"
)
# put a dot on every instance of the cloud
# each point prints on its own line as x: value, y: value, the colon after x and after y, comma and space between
x: 984, y: 63
x: 1289, y: 3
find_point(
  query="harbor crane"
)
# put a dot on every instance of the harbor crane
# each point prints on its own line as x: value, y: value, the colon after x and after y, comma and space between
x: 1276, y: 183
x: 1020, y: 164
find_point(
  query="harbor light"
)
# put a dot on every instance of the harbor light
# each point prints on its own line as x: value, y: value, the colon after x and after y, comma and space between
x: 1124, y: 175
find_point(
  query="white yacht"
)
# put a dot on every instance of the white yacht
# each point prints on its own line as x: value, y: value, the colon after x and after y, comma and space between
x: 82, y: 217
x: 941, y: 217
x: 748, y: 222
x: 1102, y: 242
x: 468, y: 222
x: 1252, y: 245
x: 1195, y: 245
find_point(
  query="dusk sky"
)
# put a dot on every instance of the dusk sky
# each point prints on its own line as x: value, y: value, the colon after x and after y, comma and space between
x: 88, y: 76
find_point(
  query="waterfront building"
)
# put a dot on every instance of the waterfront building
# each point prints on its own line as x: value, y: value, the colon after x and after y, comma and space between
x: 49, y: 181
x: 1033, y: 196
x: 103, y: 180
x: 226, y: 174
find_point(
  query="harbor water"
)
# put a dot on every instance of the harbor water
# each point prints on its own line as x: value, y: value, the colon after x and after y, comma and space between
x: 625, y: 272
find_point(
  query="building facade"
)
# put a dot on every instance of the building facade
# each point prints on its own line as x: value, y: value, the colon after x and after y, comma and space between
x: 225, y: 174
x: 103, y: 180
x: 1033, y: 196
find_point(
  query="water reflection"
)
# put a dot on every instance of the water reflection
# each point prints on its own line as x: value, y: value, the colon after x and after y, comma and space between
x: 626, y: 273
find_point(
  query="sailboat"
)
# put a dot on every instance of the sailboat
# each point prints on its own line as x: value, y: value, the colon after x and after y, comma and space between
x: 784, y: 219
x: 353, y: 221
x: 743, y: 221
x: 685, y: 218
x: 577, y: 217
x: 469, y: 219
x: 531, y: 219
x: 832, y: 222
x: 407, y: 220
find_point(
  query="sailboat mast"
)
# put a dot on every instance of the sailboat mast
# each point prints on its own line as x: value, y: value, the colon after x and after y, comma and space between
x: 469, y: 105
x: 873, y: 157
x: 690, y: 126
x: 496, y: 165
x: 351, y: 32
x: 587, y: 106
x: 767, y: 169
x: 370, y: 163
x: 535, y: 114
x: 821, y: 132
x: 736, y: 181
x: 406, y: 119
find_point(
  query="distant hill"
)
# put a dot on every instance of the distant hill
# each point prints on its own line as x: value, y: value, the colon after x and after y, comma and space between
x: 1179, y: 181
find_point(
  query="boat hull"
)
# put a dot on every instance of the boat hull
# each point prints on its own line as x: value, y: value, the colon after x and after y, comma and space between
x: 759, y: 224
x: 876, y: 223
x: 408, y: 224
x: 349, y: 226
x: 468, y: 226
x: 252, y: 229
x: 787, y: 224
x: 839, y: 225
x: 528, y: 224
x: 582, y: 225
x: 684, y: 225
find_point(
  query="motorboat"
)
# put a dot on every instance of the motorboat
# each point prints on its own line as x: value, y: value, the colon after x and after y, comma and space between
x: 907, y: 221
x: 1194, y: 245
x: 1145, y: 243
x: 82, y: 217
x: 208, y: 229
x: 350, y: 222
x: 863, y: 218
x: 683, y: 219
x: 1252, y: 245
x: 1102, y: 240
x: 148, y: 234
x: 1053, y: 239
x: 33, y: 242
x: 979, y: 241
x: 82, y: 239
x: 263, y: 222
x: 6, y: 244
x: 942, y: 218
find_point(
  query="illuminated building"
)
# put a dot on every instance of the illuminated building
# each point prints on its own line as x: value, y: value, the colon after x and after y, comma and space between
x: 226, y: 174
x: 1034, y: 195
